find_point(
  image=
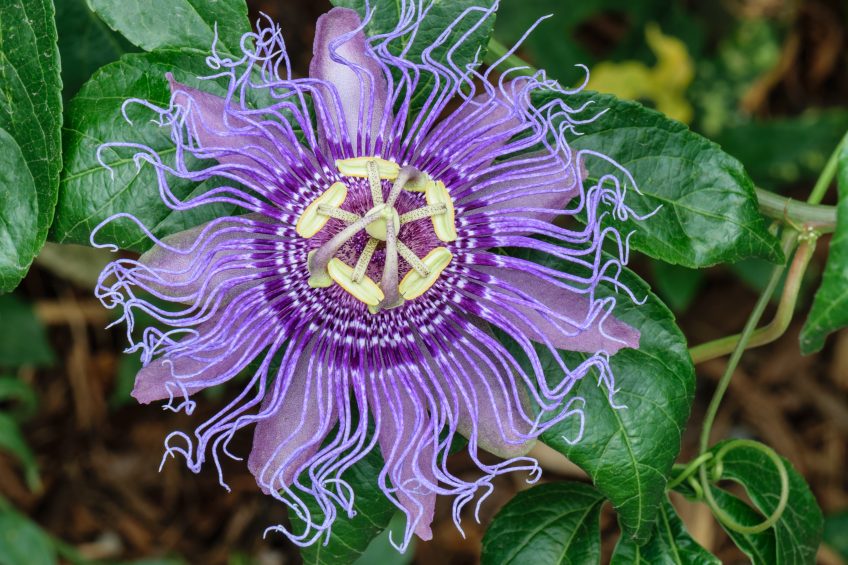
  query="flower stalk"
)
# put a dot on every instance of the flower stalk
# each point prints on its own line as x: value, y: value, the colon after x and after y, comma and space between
x: 780, y: 323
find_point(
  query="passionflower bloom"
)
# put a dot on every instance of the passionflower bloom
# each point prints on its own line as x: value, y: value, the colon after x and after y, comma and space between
x: 399, y: 221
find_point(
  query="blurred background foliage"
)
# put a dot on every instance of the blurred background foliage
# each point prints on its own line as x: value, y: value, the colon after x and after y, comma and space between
x: 766, y: 79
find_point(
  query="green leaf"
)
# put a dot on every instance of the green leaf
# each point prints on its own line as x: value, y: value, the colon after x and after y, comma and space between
x: 678, y: 286
x: 836, y: 532
x: 629, y: 451
x: 21, y: 394
x: 670, y: 544
x: 708, y: 211
x: 381, y: 550
x: 22, y: 337
x: 85, y: 44
x: 785, y: 150
x: 19, y: 241
x: 12, y: 441
x: 439, y: 16
x: 759, y: 547
x: 830, y: 306
x: 795, y: 538
x: 547, y: 524
x: 158, y: 24
x: 22, y: 542
x: 351, y: 537
x: 31, y: 112
x: 90, y: 193
x: 128, y: 367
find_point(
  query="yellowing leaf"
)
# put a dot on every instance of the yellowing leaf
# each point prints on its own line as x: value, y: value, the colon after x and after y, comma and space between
x: 665, y: 84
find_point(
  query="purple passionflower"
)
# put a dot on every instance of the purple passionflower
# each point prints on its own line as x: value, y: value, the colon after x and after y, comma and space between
x: 366, y: 278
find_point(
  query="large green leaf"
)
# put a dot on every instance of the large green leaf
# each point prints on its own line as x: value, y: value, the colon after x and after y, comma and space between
x: 629, y: 451
x: 22, y: 337
x: 22, y: 542
x: 439, y: 16
x: 157, y: 24
x: 19, y: 242
x: 708, y: 210
x: 830, y: 306
x: 91, y: 193
x: 798, y: 532
x: 759, y: 547
x: 31, y: 109
x: 549, y: 524
x: 85, y: 44
x: 351, y: 537
x: 670, y: 544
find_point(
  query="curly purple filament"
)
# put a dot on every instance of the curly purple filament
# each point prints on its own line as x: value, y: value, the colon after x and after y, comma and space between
x: 406, y: 377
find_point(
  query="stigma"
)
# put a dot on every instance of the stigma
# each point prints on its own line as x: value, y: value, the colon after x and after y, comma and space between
x: 382, y: 224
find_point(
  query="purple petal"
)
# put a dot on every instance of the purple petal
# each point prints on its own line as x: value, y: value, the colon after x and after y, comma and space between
x: 547, y: 184
x: 212, y: 261
x: 409, y: 459
x: 609, y: 336
x: 358, y: 78
x: 291, y: 435
x: 173, y: 376
x: 501, y: 422
x: 218, y: 129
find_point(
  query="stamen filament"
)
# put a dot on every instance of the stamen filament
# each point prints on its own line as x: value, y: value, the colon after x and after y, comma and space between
x: 364, y: 260
x: 374, y: 182
x: 423, y: 213
x: 338, y: 213
x: 413, y: 260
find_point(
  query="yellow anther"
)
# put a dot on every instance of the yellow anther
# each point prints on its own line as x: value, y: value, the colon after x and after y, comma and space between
x: 443, y: 224
x: 377, y: 229
x: 312, y: 220
x: 320, y: 281
x: 419, y: 184
x: 414, y: 285
x: 365, y: 290
x: 356, y: 167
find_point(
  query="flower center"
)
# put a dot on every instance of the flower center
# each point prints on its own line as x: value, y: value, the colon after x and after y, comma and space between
x: 381, y: 223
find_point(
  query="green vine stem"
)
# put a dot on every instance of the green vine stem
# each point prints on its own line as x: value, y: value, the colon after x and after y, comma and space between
x: 686, y: 471
x: 826, y: 177
x: 786, y: 308
x: 796, y: 213
x: 789, y: 239
x: 726, y: 519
